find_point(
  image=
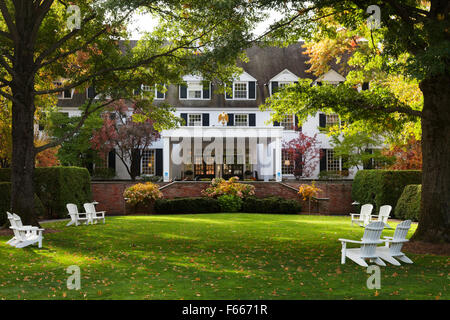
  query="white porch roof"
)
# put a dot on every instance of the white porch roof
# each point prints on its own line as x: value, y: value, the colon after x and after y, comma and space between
x: 224, y: 132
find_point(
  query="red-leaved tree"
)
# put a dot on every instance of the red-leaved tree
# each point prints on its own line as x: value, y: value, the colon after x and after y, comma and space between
x: 129, y: 138
x: 407, y: 156
x: 305, y: 152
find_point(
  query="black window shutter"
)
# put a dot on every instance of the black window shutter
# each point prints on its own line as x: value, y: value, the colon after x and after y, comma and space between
x: 160, y: 95
x: 112, y: 160
x: 91, y: 93
x: 229, y: 96
x: 345, y: 165
x: 297, y: 128
x: 184, y: 117
x: 206, y: 89
x: 276, y: 124
x: 252, y: 119
x: 137, y: 91
x: 365, y: 86
x: 205, y: 120
x: 322, y: 120
x: 183, y: 92
x: 159, y: 162
x: 323, y: 160
x: 136, y: 160
x: 367, y: 165
x: 230, y: 120
x: 252, y: 90
x: 274, y: 86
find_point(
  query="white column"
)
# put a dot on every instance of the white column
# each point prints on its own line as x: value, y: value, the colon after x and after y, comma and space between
x: 278, y: 173
x: 166, y: 160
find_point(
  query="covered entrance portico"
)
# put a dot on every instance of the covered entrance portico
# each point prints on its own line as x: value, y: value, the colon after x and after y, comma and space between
x: 208, y: 152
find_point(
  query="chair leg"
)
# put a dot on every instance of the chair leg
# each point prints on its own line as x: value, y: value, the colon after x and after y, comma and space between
x: 404, y: 259
x: 343, y: 252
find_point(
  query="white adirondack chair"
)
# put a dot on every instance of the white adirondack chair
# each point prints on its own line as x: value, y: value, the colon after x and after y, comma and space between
x: 94, y: 215
x: 24, y: 235
x: 369, y: 242
x: 363, y: 218
x: 75, y: 216
x: 383, y: 215
x: 392, y: 250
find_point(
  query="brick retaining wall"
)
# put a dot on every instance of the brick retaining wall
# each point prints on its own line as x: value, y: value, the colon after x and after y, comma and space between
x: 110, y: 194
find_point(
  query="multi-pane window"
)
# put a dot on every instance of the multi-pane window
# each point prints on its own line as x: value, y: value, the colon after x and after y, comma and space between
x: 240, y: 90
x: 288, y: 122
x: 148, y: 162
x: 333, y: 162
x: 241, y: 120
x: 194, y: 120
x: 287, y: 162
x: 66, y: 94
x: 332, y: 120
x: 195, y: 90
x: 146, y: 88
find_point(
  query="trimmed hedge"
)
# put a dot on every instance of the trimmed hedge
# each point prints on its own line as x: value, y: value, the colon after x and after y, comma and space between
x: 381, y: 187
x: 408, y: 206
x: 270, y: 205
x: 57, y: 186
x: 186, y: 206
x: 5, y: 202
x: 211, y: 205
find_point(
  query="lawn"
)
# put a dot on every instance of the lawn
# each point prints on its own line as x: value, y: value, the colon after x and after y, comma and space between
x: 210, y: 256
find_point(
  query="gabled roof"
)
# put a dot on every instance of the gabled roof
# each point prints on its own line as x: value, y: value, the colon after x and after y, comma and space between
x: 286, y: 76
x: 331, y: 77
x: 245, y: 77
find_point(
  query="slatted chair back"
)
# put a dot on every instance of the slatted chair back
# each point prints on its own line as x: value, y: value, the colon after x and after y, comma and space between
x: 399, y: 237
x: 366, y: 211
x: 89, y: 207
x: 11, y: 219
x: 18, y: 221
x: 72, y: 208
x: 384, y: 213
x: 371, y: 239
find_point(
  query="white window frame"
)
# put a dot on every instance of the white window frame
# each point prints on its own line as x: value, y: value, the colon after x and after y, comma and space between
x: 61, y: 94
x: 293, y: 123
x: 340, y: 161
x: 281, y: 84
x: 284, y: 167
x: 241, y: 114
x: 147, y: 158
x: 334, y: 115
x: 147, y: 88
x: 201, y: 91
x: 234, y: 91
x: 189, y: 119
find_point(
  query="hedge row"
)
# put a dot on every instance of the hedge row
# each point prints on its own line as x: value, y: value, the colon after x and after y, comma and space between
x: 186, y: 206
x: 381, y: 187
x: 408, y: 206
x: 57, y: 186
x: 210, y: 205
x: 5, y: 202
x: 271, y: 205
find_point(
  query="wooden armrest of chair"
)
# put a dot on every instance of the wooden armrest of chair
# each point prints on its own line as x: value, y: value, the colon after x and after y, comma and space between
x: 355, y: 214
x: 351, y: 241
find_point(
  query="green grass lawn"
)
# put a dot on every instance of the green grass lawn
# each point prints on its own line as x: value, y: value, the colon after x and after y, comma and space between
x: 210, y: 256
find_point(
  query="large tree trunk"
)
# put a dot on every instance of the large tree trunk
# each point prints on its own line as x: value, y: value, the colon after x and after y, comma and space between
x: 434, y: 220
x: 23, y: 108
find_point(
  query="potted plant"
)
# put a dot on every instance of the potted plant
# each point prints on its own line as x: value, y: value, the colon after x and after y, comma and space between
x: 141, y: 197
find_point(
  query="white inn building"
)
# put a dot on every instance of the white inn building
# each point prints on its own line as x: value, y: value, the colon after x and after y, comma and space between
x: 227, y: 135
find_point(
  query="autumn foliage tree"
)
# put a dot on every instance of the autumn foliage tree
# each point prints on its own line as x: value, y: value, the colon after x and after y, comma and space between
x: 305, y: 152
x: 122, y: 133
x: 407, y: 156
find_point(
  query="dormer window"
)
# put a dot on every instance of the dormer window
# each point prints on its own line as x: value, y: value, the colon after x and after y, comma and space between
x: 195, y: 88
x: 281, y: 80
x: 243, y: 88
x: 159, y: 95
x: 66, y: 94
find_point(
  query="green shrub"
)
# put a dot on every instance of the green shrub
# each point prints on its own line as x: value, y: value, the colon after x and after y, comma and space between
x: 5, y: 202
x: 57, y: 186
x: 229, y: 203
x: 271, y: 205
x: 103, y: 174
x: 408, y: 206
x: 381, y: 187
x: 186, y: 206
